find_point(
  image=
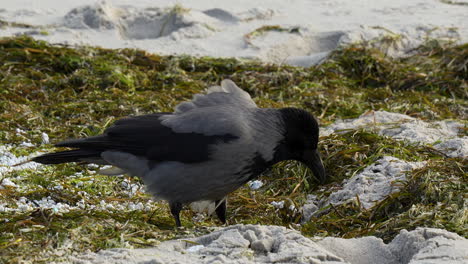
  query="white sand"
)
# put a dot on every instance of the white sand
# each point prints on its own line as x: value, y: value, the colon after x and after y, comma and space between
x: 273, y: 244
x: 443, y: 135
x: 220, y: 28
x: 379, y: 180
x: 373, y: 184
x: 8, y: 159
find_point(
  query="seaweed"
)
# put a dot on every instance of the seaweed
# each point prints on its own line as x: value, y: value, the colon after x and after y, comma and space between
x: 71, y: 92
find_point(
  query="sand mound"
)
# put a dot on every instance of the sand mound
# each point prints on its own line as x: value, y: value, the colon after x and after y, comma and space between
x: 319, y: 46
x: 157, y: 22
x: 274, y: 244
x: 292, y: 45
x: 420, y: 246
x: 398, y: 42
x: 98, y: 16
x: 375, y: 183
x: 148, y: 23
x: 402, y: 127
x: 306, y: 47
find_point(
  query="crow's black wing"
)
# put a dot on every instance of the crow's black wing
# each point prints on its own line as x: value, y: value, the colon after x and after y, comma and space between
x: 142, y: 136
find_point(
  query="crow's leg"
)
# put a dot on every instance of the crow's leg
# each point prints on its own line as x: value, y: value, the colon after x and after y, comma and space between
x: 175, y: 211
x: 221, y: 209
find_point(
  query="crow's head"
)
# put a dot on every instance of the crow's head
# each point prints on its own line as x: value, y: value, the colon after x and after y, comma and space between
x: 301, y: 133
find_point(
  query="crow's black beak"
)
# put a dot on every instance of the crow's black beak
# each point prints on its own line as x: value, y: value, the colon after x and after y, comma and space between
x: 312, y: 160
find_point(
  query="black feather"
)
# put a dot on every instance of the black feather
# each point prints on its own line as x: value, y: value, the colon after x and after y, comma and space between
x: 76, y: 155
x: 145, y: 136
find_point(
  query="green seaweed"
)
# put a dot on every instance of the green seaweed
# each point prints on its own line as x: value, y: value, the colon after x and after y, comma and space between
x: 71, y: 92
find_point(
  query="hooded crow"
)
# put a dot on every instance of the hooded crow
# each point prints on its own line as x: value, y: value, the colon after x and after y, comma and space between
x: 204, y: 150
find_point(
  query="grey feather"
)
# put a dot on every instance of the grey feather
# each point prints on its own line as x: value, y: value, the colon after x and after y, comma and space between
x: 226, y: 94
x: 223, y: 110
x: 209, y: 121
x: 130, y: 163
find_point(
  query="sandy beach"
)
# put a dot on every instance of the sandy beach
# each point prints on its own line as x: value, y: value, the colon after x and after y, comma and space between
x: 293, y: 32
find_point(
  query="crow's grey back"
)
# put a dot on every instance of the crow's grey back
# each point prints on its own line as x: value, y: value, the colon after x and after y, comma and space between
x: 223, y: 110
x: 226, y: 94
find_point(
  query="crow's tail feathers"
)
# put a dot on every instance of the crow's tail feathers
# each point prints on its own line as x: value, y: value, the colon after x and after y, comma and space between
x: 77, y: 155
